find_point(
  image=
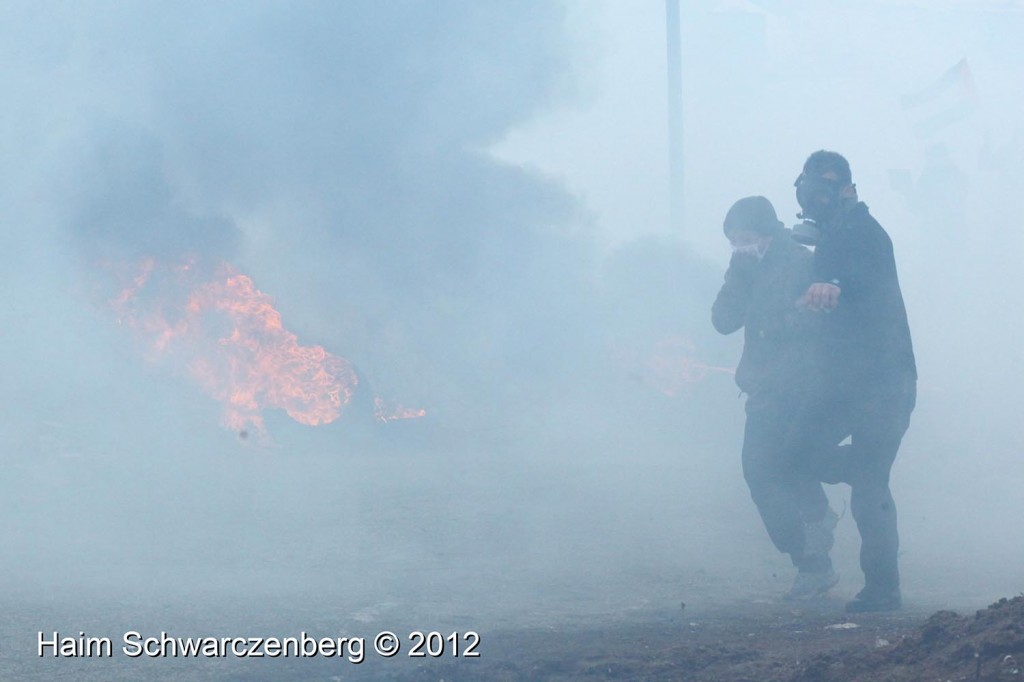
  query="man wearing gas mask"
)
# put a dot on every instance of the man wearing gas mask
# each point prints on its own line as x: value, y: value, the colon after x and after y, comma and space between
x: 767, y: 274
x: 866, y: 377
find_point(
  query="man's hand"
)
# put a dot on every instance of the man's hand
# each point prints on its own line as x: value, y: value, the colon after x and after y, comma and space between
x: 742, y: 260
x: 821, y: 296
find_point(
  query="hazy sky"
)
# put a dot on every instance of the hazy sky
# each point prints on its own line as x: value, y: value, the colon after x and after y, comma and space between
x: 766, y: 83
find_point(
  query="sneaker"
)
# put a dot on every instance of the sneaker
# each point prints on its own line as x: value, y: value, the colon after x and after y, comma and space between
x: 870, y: 600
x: 808, y: 584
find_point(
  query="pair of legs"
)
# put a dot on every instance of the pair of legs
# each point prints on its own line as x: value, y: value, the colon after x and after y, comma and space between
x: 875, y: 418
x: 788, y: 495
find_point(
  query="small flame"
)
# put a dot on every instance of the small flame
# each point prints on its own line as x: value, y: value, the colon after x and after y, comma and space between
x: 670, y: 367
x: 384, y: 413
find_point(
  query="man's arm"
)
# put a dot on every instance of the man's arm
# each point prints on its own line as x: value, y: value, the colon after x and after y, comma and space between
x: 730, y: 307
x: 851, y: 266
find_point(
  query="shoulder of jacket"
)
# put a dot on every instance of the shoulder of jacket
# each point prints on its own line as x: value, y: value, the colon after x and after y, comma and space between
x: 860, y: 215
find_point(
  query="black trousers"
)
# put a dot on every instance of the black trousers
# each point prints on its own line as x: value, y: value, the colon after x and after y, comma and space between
x: 875, y: 418
x: 786, y: 493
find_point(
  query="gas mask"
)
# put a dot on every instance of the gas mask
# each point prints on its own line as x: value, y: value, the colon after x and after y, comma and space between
x: 819, y: 198
x: 806, y: 233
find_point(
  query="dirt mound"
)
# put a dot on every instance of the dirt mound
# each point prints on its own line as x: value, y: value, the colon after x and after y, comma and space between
x: 745, y: 642
x: 989, y: 646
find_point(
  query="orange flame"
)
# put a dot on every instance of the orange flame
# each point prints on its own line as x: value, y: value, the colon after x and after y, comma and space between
x: 670, y: 367
x: 256, y: 364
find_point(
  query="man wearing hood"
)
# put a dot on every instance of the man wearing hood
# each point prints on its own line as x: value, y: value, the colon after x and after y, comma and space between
x: 767, y: 274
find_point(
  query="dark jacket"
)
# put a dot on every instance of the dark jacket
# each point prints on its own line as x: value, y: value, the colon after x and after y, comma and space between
x: 760, y: 296
x: 865, y: 341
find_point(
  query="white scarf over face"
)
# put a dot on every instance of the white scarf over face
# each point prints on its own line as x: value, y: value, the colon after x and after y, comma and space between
x: 749, y: 250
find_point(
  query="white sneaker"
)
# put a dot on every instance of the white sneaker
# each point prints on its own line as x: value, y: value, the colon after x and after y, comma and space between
x: 808, y: 585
